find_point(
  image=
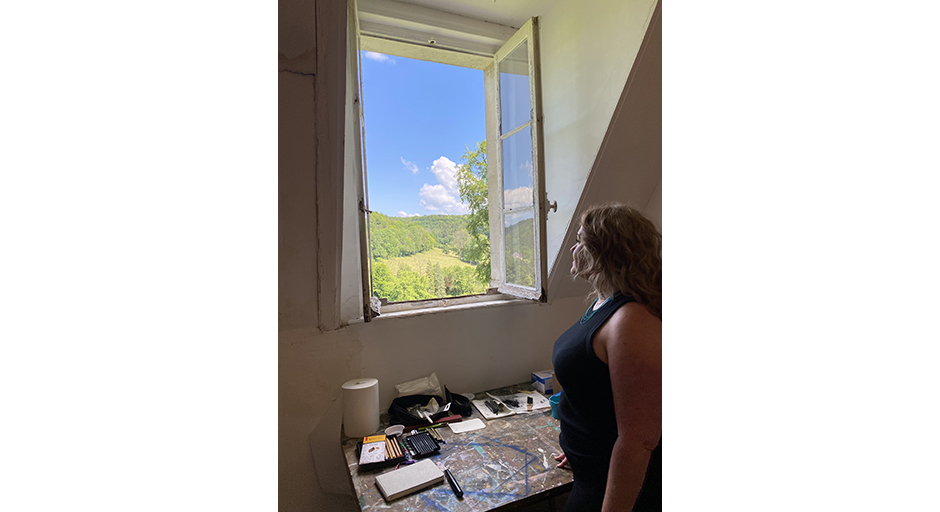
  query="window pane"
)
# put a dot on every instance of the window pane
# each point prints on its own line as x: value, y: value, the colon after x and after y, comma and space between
x: 517, y: 170
x: 514, y: 96
x: 520, y: 248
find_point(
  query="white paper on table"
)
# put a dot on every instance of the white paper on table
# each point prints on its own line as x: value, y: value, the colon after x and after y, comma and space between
x: 488, y: 414
x: 466, y: 426
x: 539, y: 402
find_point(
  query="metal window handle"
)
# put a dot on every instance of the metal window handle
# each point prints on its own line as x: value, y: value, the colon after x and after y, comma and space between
x: 550, y: 205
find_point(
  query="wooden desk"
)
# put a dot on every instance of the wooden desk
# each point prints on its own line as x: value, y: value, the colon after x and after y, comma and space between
x: 508, y: 464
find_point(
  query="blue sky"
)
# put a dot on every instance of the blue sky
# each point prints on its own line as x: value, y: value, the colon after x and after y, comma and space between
x: 419, y: 116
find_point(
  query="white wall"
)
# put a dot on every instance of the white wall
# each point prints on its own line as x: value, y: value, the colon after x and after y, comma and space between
x: 587, y: 51
x: 628, y: 165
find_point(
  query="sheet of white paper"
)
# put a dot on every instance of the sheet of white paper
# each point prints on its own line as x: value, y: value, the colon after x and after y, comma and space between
x: 487, y: 413
x: 466, y: 426
x: 518, y: 402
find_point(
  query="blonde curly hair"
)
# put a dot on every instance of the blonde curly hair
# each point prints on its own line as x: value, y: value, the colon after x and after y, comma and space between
x: 621, y: 250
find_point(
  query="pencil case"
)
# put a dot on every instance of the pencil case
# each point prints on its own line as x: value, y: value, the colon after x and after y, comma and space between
x: 372, y: 466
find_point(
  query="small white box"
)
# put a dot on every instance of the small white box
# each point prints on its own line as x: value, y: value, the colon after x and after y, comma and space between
x: 542, y: 382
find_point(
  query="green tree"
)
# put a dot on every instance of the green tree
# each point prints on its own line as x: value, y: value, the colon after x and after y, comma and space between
x: 383, y: 282
x: 411, y: 286
x: 471, y: 182
x: 435, y: 276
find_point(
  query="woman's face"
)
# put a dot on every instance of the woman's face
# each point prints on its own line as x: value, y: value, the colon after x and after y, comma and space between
x: 574, y: 252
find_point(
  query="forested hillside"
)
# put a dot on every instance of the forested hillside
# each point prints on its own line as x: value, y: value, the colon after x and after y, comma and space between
x: 399, y: 278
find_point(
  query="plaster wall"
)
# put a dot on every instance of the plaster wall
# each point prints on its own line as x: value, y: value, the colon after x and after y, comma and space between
x: 297, y: 215
x: 587, y: 51
x: 628, y: 165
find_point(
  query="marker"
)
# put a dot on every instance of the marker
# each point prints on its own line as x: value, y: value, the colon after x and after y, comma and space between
x: 453, y: 483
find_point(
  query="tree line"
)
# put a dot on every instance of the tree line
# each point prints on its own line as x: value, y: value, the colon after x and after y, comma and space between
x: 425, y: 282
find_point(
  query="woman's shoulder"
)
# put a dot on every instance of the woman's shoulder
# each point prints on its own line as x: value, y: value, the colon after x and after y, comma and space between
x: 635, y: 313
x: 632, y: 324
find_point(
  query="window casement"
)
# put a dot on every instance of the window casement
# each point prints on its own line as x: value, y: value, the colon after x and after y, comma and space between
x: 517, y: 201
x: 518, y: 216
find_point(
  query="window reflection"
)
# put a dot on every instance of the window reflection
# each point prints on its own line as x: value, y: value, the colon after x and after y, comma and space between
x: 514, y: 95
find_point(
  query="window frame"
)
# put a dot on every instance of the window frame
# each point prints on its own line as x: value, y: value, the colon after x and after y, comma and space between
x: 528, y: 33
x: 407, y: 41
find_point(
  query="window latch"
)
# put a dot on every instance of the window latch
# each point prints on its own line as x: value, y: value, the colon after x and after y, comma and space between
x: 550, y: 205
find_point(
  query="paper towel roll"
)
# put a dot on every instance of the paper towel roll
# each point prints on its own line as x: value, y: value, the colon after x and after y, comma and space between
x: 360, y: 407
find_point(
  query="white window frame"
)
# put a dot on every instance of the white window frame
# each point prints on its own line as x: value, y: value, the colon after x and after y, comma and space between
x: 528, y: 33
x: 417, y: 32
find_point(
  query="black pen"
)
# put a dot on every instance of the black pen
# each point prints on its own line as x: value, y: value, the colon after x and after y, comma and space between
x: 453, y: 483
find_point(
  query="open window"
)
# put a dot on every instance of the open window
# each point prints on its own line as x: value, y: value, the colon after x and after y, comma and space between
x: 520, y: 248
x: 514, y: 166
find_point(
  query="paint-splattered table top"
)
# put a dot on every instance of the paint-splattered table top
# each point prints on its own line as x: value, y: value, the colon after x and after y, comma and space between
x: 508, y: 464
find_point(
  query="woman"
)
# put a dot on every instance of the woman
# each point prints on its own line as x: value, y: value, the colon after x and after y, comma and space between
x: 609, y: 365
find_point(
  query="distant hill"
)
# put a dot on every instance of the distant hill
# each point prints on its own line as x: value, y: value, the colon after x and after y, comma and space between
x: 393, y: 237
x: 417, y: 258
x: 443, y: 227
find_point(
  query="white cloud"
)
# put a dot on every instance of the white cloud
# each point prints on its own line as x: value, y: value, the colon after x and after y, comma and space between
x: 402, y: 213
x: 409, y: 165
x: 445, y: 171
x: 443, y: 197
x: 379, y: 57
x: 517, y: 197
x: 437, y: 199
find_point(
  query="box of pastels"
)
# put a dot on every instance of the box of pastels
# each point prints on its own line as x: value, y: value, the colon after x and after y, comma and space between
x: 381, y: 451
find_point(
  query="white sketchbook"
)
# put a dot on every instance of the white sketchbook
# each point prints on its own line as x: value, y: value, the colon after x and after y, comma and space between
x: 409, y: 479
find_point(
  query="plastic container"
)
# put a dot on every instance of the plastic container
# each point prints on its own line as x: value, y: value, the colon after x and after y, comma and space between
x: 554, y: 400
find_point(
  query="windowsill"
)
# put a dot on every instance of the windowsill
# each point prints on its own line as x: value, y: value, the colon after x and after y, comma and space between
x: 404, y: 310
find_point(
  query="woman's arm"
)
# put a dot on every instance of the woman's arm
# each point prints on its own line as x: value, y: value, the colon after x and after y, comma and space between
x: 631, y: 345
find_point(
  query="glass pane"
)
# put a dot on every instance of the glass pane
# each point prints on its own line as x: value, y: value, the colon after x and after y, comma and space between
x: 514, y: 96
x: 517, y: 170
x: 518, y: 229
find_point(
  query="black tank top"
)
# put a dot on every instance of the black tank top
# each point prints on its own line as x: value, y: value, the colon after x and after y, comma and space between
x: 586, y: 409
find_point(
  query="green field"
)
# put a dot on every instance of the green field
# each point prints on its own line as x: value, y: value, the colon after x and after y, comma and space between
x: 417, y: 261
